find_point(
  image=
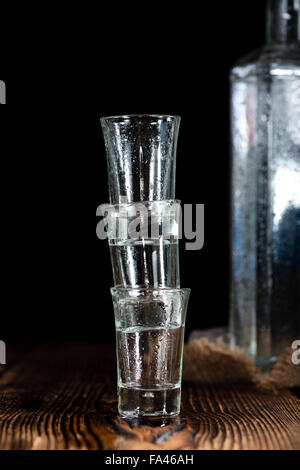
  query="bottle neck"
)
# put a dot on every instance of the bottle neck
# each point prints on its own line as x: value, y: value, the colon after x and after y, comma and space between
x: 283, y: 22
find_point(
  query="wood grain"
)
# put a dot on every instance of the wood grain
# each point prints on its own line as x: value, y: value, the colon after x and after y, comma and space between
x: 63, y: 396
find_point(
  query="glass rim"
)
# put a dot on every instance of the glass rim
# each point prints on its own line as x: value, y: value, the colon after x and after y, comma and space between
x: 150, y: 289
x: 128, y: 117
x: 123, y: 205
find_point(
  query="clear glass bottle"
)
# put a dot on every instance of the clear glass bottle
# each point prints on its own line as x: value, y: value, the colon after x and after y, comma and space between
x: 265, y: 222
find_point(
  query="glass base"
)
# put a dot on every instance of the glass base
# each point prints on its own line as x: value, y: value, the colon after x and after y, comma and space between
x: 265, y: 364
x: 134, y: 402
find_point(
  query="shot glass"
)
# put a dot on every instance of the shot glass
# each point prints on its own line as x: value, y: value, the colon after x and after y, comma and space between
x: 150, y: 337
x: 141, y: 156
x: 143, y: 240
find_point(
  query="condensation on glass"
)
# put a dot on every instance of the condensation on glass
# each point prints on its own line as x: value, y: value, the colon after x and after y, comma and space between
x: 150, y: 337
x: 143, y: 240
x: 141, y: 157
x: 265, y: 261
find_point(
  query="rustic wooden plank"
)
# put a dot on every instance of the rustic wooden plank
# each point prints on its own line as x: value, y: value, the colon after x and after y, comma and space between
x: 47, y: 395
x: 219, y: 418
x: 63, y: 396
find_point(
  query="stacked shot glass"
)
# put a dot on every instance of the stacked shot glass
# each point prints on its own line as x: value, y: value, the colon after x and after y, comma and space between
x: 143, y: 226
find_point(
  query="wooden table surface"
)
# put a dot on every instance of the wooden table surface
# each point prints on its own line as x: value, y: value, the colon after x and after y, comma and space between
x: 63, y: 396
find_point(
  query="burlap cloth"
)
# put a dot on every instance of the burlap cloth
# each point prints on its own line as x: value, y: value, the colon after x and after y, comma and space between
x: 210, y: 358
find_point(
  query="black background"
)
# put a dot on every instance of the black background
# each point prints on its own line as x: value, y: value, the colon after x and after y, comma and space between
x: 56, y: 273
